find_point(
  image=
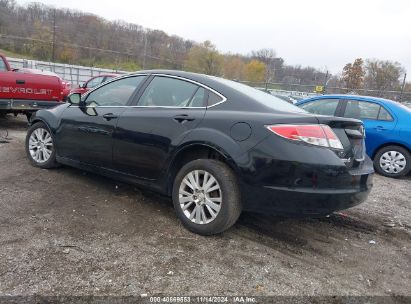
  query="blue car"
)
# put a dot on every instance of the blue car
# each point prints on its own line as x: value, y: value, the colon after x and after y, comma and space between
x: 387, y: 125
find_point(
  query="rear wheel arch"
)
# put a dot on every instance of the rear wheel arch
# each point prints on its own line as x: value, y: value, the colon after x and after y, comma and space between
x: 377, y: 149
x: 392, y: 165
x: 192, y: 152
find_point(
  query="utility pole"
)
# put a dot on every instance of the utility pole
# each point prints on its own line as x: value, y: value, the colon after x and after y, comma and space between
x: 145, y: 49
x: 325, y: 82
x: 53, y: 54
x: 403, y: 86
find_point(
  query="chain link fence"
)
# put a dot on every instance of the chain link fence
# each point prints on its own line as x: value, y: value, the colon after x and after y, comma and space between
x: 75, y: 74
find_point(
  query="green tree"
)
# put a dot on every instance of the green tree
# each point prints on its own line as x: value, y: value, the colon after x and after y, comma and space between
x: 255, y: 71
x: 40, y: 45
x: 233, y: 67
x: 204, y: 58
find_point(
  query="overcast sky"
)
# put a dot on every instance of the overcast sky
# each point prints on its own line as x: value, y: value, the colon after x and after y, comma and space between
x: 319, y: 33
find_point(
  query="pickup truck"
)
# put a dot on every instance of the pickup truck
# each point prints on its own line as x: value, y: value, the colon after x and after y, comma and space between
x: 26, y: 90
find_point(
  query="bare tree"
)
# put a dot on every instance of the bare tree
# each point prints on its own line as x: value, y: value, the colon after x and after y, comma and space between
x: 383, y: 75
x: 271, y: 61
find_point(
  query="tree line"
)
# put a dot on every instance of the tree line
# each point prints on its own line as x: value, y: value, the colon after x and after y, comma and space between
x: 70, y: 36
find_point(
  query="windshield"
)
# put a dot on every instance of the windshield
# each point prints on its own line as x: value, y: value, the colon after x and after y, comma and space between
x: 261, y: 97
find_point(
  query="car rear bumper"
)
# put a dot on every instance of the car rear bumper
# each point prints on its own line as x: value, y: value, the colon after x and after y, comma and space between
x: 304, y: 201
x: 306, y: 184
x: 26, y: 105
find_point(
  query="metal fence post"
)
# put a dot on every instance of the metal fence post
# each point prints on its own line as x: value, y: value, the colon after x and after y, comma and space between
x: 403, y: 86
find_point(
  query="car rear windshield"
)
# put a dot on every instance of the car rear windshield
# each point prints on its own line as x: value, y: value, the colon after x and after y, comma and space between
x: 405, y: 106
x: 262, y: 97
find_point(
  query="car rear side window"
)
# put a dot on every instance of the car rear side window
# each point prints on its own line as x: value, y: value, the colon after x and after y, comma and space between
x: 3, y: 67
x: 116, y: 93
x: 168, y: 92
x: 362, y: 110
x: 321, y: 106
x: 384, y: 115
x: 213, y: 99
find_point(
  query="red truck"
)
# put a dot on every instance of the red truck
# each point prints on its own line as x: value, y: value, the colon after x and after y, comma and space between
x: 26, y: 91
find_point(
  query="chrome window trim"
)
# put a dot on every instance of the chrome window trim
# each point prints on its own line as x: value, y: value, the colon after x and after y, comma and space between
x: 161, y: 75
x: 196, y: 83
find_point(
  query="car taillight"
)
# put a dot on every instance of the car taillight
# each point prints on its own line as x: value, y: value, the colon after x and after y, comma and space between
x: 318, y: 135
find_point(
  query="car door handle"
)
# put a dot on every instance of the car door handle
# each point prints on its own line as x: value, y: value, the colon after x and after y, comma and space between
x: 110, y: 116
x: 380, y: 128
x: 20, y: 81
x: 183, y: 118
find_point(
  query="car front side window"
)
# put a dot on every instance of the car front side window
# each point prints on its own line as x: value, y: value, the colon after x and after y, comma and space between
x: 115, y: 93
x: 321, y: 106
x: 169, y: 92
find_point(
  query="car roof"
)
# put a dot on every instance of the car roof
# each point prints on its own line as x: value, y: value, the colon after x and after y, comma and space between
x: 207, y: 80
x: 225, y: 88
x: 214, y: 82
x: 392, y: 104
x: 349, y: 96
x: 190, y: 75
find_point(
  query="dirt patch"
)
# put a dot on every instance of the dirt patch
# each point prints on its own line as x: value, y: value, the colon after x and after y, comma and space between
x: 65, y: 231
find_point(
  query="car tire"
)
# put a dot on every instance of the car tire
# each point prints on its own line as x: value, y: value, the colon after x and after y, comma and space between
x: 392, y: 161
x: 40, y: 147
x: 217, y: 203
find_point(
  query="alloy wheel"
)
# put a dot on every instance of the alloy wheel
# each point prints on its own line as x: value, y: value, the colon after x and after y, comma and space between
x: 40, y: 145
x: 393, y: 162
x: 200, y: 197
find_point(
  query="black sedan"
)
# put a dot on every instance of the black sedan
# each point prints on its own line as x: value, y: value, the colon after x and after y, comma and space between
x: 215, y: 146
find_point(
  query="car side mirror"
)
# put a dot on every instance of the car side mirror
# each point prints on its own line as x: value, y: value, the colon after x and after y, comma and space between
x: 82, y: 85
x: 74, y: 98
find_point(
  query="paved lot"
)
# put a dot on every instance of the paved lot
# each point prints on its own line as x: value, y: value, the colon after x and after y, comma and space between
x: 64, y: 231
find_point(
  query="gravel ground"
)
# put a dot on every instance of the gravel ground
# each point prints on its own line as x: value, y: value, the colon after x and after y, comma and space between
x: 67, y: 232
